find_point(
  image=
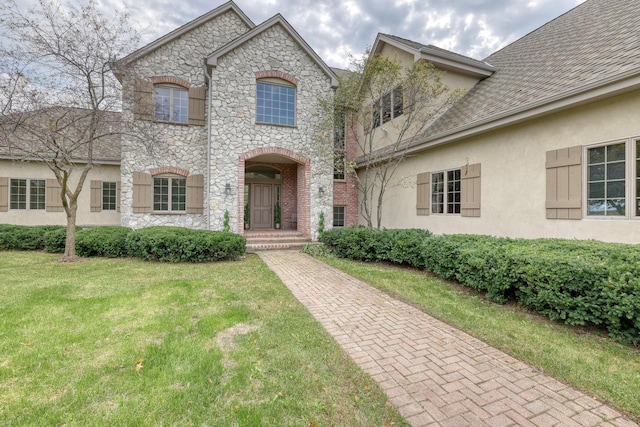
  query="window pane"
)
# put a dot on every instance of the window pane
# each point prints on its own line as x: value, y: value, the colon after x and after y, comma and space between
x: 596, y: 155
x: 615, y: 152
x: 453, y: 191
x: 596, y: 173
x: 596, y: 207
x: 161, y: 194
x: 36, y: 194
x: 437, y: 192
x: 595, y: 190
x: 162, y: 103
x: 178, y: 194
x: 615, y: 189
x: 180, y: 105
x: 615, y: 170
x: 398, y: 102
x: 606, y: 181
x: 275, y: 104
x: 109, y: 196
x: 18, y: 197
x: 616, y: 207
x: 338, y: 216
x: 386, y: 108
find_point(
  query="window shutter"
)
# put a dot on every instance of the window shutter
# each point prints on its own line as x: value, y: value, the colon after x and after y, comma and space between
x: 197, y: 106
x: 564, y: 183
x: 143, y: 100
x: 195, y: 185
x: 4, y: 194
x: 117, y: 196
x: 96, y: 196
x: 470, y: 190
x: 423, y: 197
x: 53, y: 197
x: 142, y: 189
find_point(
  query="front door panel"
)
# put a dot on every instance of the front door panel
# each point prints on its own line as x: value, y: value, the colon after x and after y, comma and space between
x: 261, y: 206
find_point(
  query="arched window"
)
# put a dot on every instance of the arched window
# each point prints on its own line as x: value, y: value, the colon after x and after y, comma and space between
x: 171, y: 103
x: 275, y: 102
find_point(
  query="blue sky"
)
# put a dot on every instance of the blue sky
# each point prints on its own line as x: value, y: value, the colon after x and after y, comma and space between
x: 336, y: 28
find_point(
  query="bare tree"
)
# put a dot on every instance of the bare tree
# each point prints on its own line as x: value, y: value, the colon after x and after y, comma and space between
x: 58, y: 96
x: 382, y: 106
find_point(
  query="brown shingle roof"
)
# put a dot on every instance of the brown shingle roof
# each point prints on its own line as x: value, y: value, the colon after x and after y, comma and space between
x: 593, y: 41
x: 22, y: 143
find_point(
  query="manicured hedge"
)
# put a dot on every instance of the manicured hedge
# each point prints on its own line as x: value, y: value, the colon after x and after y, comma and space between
x: 172, y: 244
x: 106, y: 241
x: 364, y: 244
x: 24, y: 237
x: 176, y: 244
x: 578, y: 282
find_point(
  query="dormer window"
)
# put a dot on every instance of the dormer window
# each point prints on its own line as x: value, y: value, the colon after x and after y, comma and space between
x: 171, y: 104
x: 276, y: 103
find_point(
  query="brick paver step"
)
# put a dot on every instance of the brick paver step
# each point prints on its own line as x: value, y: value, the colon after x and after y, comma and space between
x: 436, y: 375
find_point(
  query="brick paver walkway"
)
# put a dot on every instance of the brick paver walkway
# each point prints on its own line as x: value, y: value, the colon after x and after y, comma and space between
x: 435, y: 374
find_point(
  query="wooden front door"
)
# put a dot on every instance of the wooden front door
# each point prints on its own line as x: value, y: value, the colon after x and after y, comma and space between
x: 261, y: 206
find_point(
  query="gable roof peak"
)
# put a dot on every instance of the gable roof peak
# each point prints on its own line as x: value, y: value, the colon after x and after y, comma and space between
x: 150, y: 47
x: 442, y: 58
x: 277, y: 19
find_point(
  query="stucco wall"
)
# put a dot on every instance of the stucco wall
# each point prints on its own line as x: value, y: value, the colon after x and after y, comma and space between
x: 388, y: 133
x: 34, y: 170
x: 513, y: 178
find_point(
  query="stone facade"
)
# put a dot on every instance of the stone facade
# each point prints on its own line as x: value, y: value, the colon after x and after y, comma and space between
x: 272, y: 52
x: 234, y: 130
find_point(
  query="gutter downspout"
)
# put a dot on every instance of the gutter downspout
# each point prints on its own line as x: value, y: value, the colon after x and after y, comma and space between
x: 208, y: 186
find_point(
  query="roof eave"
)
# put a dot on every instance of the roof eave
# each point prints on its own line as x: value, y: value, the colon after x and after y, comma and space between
x: 145, y: 50
x: 457, y: 63
x: 100, y: 161
x: 212, y: 59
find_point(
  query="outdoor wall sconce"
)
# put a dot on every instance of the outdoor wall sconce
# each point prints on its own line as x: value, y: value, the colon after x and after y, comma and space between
x: 227, y: 189
x: 321, y: 191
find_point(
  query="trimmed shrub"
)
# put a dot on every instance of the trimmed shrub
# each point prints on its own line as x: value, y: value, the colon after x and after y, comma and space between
x: 24, y: 237
x: 105, y: 241
x: 318, y: 250
x: 365, y: 244
x: 55, y: 240
x: 177, y: 244
x: 578, y: 282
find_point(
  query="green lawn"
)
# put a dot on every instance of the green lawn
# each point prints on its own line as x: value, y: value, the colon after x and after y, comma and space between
x: 585, y: 359
x: 123, y: 342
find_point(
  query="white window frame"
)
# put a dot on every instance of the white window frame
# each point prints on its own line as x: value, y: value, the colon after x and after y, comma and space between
x: 28, y: 203
x: 378, y: 108
x: 631, y: 155
x: 170, y: 209
x: 344, y: 216
x: 282, y: 84
x: 172, y: 89
x: 115, y: 196
x: 445, y: 192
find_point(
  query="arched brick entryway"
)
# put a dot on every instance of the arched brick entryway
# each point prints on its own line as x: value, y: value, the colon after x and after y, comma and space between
x: 299, y: 178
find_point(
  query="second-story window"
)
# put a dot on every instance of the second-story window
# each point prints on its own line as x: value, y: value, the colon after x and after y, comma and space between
x: 171, y: 104
x: 276, y: 104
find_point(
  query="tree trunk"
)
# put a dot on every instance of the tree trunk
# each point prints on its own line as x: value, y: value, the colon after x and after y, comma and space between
x: 70, y: 242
